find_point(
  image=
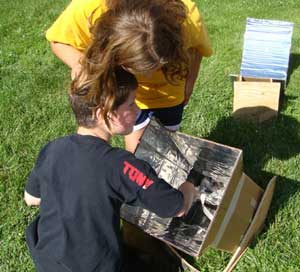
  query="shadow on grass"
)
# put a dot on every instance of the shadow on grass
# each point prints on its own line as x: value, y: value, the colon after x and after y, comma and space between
x: 285, y: 189
x: 294, y: 63
x: 274, y: 139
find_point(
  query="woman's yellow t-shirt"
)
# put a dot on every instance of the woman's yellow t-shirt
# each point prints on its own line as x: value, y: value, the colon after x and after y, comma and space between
x: 73, y: 28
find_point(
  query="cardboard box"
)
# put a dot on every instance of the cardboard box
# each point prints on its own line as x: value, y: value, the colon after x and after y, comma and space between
x: 229, y: 208
x: 256, y: 99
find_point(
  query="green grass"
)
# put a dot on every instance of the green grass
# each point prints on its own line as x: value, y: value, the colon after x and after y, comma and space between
x: 34, y: 110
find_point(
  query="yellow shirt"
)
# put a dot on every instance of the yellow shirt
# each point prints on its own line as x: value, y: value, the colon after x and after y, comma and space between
x: 73, y: 27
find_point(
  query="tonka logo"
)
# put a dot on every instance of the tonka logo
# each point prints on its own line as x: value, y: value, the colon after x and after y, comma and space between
x: 136, y: 176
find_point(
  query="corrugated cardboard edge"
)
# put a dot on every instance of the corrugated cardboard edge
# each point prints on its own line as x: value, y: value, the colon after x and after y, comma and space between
x: 255, y: 226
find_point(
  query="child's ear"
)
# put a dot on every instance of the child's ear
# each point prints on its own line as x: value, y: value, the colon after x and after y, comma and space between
x: 98, y: 114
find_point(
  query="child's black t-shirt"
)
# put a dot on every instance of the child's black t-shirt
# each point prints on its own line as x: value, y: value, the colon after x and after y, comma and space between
x: 82, y: 182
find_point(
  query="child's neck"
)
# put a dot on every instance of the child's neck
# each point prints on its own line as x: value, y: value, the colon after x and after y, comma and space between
x: 96, y: 132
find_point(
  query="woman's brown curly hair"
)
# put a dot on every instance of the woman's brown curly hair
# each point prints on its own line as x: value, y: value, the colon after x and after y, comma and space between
x: 139, y: 35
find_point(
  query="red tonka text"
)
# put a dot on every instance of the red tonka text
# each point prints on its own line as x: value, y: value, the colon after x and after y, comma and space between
x: 136, y: 176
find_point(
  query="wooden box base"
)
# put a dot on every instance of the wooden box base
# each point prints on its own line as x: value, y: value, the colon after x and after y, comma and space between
x: 255, y: 99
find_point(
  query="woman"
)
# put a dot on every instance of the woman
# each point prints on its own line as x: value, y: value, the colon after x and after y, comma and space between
x: 161, y: 41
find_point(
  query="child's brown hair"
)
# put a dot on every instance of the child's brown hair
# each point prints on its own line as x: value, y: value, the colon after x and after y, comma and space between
x: 86, y: 98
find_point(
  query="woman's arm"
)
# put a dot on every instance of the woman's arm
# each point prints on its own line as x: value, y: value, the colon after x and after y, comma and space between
x: 31, y: 200
x: 194, y: 67
x: 69, y: 55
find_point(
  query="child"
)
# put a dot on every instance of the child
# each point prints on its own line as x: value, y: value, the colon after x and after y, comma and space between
x: 80, y: 183
x: 161, y: 41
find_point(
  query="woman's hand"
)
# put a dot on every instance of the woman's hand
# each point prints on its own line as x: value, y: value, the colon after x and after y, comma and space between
x: 69, y: 55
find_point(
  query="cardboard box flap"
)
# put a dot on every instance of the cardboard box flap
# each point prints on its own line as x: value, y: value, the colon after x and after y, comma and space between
x: 239, y: 215
x: 255, y: 226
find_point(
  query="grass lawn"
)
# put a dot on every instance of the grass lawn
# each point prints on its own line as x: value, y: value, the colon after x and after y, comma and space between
x: 34, y: 110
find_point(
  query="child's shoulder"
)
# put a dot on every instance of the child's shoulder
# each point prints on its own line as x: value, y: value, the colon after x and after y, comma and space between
x: 47, y: 150
x: 117, y: 153
x: 57, y: 143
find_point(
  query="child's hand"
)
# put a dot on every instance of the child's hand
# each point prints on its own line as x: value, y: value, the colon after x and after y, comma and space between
x: 189, y: 193
x: 31, y: 200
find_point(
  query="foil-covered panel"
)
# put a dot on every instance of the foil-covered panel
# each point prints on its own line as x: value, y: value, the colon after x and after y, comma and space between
x: 266, y: 52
